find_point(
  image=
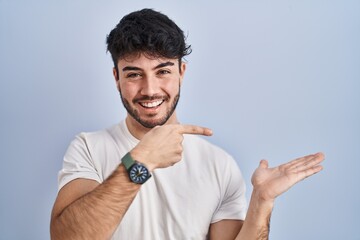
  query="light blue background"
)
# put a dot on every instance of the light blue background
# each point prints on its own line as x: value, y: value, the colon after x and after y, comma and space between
x: 273, y: 79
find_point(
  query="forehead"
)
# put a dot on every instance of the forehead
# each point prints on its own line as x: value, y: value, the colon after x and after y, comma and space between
x: 144, y: 61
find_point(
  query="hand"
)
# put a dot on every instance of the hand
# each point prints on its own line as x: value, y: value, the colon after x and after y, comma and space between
x: 269, y: 183
x: 161, y: 147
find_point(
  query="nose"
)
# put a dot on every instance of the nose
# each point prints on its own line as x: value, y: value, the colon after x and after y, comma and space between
x: 150, y: 86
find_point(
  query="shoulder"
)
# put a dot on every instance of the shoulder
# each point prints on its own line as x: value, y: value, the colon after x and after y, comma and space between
x: 95, y: 138
x: 92, y: 146
x: 91, y: 153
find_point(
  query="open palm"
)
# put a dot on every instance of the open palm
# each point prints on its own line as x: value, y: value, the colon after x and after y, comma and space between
x: 272, y: 182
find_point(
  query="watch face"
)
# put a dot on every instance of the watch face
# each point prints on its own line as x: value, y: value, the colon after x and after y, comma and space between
x: 139, y: 173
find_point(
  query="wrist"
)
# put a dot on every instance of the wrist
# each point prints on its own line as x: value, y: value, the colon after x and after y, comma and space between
x: 141, y: 156
x: 138, y: 172
x: 259, y: 212
x: 260, y: 201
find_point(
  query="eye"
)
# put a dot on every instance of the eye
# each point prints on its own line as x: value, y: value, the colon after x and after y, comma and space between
x: 163, y: 72
x: 133, y: 75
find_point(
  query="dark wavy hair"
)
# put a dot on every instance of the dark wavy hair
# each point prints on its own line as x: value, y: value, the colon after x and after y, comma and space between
x: 149, y: 32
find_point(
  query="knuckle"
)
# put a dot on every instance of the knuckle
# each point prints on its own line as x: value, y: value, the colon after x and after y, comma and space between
x: 179, y: 149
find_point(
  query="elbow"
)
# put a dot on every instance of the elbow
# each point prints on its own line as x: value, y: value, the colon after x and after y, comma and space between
x: 55, y: 229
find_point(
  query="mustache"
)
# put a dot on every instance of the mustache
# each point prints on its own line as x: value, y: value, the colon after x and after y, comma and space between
x: 151, y: 98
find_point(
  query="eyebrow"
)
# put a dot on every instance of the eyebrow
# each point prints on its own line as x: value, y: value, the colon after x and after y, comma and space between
x: 165, y: 64
x: 132, y: 68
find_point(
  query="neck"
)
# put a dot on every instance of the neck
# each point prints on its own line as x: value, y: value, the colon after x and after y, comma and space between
x: 138, y: 130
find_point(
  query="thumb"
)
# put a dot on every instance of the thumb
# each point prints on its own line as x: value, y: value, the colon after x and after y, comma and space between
x: 264, y: 164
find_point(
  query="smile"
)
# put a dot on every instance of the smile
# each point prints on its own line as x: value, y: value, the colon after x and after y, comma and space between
x: 151, y: 104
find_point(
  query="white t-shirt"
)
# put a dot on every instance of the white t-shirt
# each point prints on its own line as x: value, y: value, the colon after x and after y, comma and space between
x: 178, y: 202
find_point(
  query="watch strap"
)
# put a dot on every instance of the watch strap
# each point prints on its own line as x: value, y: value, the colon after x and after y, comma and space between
x: 128, y: 161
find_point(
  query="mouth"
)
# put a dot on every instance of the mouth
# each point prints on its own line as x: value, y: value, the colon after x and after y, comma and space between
x: 153, y: 104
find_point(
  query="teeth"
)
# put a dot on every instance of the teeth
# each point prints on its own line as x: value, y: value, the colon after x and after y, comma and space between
x: 151, y: 104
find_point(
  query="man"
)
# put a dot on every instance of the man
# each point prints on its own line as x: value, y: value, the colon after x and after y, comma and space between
x: 149, y: 177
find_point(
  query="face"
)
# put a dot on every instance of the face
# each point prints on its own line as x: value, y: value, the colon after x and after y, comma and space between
x: 149, y: 88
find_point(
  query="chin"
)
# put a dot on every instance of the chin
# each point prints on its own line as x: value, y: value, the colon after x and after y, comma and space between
x: 152, y: 124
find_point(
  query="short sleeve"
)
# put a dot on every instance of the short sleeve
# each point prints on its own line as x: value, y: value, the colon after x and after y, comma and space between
x: 77, y: 163
x: 233, y: 204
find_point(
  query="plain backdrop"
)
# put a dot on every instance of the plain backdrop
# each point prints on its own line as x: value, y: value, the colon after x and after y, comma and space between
x: 273, y: 79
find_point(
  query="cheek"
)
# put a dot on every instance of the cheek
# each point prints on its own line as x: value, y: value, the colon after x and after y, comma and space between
x: 128, y: 91
x: 172, y: 87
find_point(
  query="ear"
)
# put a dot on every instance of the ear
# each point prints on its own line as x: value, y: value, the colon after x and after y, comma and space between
x: 116, y: 77
x: 182, y: 72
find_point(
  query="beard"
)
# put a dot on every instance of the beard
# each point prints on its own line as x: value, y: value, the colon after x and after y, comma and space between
x: 155, y: 122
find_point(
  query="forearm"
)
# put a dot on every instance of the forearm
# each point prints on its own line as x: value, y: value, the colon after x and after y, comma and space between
x: 96, y: 214
x: 257, y: 222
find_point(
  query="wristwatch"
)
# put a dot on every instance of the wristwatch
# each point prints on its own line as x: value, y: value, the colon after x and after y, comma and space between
x: 138, y: 173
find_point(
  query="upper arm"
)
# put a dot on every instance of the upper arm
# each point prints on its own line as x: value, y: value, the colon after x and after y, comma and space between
x: 225, y: 229
x: 70, y: 193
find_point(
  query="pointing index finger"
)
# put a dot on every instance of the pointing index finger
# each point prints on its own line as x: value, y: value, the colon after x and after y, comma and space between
x: 192, y: 129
